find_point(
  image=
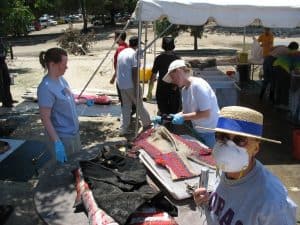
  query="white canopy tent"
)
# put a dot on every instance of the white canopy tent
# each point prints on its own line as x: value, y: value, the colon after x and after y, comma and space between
x: 230, y: 13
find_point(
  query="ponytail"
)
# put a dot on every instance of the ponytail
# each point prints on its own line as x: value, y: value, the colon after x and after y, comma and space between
x: 51, y: 55
x: 42, y: 59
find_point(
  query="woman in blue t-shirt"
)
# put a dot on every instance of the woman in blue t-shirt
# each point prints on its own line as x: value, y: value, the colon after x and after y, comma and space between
x: 57, y: 105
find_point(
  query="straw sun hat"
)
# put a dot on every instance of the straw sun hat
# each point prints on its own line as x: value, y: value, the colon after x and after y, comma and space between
x: 241, y: 121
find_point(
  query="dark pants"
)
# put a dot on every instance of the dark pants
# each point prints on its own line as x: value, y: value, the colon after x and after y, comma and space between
x: 168, y: 100
x: 268, y: 77
x: 5, y: 95
x: 282, y: 86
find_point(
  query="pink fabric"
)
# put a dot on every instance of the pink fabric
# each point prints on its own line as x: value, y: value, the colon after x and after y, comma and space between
x: 151, y: 216
x: 98, y: 99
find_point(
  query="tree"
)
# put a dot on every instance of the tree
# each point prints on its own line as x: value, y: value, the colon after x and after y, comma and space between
x: 196, y: 31
x: 4, y: 10
x: 18, y: 18
x: 39, y: 7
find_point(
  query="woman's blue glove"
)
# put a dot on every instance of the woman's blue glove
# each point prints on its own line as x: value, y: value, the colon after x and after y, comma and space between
x: 156, y: 120
x: 60, y: 152
x: 90, y: 102
x: 178, y: 119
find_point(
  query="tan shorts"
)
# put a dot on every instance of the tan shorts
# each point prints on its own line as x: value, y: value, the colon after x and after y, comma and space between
x: 71, y: 144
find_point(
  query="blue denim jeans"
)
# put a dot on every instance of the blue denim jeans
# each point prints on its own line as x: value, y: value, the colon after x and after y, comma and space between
x: 209, y: 139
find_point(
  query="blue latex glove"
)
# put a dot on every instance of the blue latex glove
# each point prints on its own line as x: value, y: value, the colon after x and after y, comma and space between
x: 156, y: 120
x: 178, y: 119
x: 90, y: 102
x: 60, y: 152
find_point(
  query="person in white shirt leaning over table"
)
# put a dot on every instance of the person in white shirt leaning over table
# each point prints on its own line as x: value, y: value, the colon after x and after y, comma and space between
x: 199, y: 102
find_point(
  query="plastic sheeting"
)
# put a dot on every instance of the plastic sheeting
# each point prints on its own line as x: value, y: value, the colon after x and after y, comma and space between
x: 231, y: 13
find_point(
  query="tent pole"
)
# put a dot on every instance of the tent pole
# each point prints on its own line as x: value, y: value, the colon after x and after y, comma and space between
x: 139, y: 51
x: 144, y: 67
x: 154, y: 36
x: 244, y: 40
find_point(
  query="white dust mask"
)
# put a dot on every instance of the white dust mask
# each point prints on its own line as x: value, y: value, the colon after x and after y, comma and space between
x: 230, y: 157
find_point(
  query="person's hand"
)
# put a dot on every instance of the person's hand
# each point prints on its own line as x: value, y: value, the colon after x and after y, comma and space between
x: 90, y: 102
x: 201, y: 196
x: 178, y: 119
x: 156, y: 120
x: 153, y: 78
x: 60, y: 152
x: 112, y: 80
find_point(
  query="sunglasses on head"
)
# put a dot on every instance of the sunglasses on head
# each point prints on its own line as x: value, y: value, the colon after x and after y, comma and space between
x: 238, y: 140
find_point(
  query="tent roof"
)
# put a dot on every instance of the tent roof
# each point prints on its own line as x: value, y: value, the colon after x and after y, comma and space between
x: 231, y: 13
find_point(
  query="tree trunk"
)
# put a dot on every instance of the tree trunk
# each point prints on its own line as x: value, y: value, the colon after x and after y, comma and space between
x: 195, y: 42
x: 83, y: 10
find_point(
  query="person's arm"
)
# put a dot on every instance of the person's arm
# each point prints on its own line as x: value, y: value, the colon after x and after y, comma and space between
x: 134, y: 77
x: 275, y: 212
x: 196, y: 115
x: 113, y: 78
x: 45, y: 114
x: 259, y: 39
x: 201, y: 196
x: 153, y: 77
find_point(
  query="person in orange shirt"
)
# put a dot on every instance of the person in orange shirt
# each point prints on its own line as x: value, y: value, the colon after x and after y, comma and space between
x: 266, y: 41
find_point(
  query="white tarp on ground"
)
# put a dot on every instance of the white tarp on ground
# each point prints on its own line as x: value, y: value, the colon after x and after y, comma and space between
x: 231, y: 13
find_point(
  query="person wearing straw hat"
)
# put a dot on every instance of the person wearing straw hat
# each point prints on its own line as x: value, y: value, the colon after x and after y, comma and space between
x: 199, y: 102
x: 247, y: 192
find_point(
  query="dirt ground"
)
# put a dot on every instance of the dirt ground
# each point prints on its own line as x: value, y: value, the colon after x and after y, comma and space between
x: 94, y: 130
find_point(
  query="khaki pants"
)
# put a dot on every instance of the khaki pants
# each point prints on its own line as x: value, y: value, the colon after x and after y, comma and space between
x: 71, y: 144
x: 128, y: 98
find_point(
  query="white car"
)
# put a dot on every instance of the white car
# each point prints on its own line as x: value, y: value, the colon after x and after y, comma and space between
x: 52, y: 22
x: 44, y: 22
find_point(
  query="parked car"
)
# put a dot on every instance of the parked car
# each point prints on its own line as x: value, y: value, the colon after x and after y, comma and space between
x: 30, y: 28
x: 37, y: 25
x: 44, y: 22
x: 73, y: 18
x: 52, y: 22
x: 98, y: 20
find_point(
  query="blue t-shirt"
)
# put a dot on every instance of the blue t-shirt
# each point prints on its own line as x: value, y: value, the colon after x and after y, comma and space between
x: 259, y: 198
x: 56, y: 94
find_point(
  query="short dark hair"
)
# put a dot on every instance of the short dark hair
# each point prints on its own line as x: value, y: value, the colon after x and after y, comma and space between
x: 133, y: 41
x: 120, y: 33
x: 168, y: 43
x: 293, y: 45
x: 51, y: 55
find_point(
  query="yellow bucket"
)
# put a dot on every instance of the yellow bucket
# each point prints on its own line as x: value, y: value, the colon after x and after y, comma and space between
x: 243, y: 57
x: 145, y: 76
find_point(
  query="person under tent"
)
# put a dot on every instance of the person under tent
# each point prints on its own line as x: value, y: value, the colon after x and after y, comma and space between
x: 168, y: 96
